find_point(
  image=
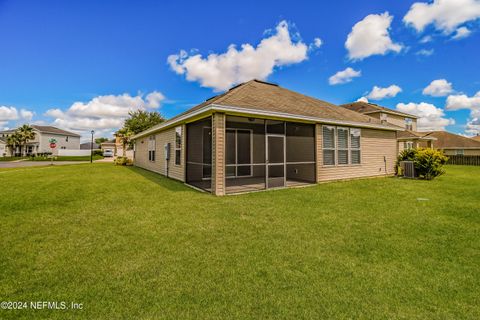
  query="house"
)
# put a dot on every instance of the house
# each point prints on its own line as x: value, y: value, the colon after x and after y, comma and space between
x: 454, y: 144
x: 3, y: 147
x: 89, y: 146
x: 409, y: 137
x: 258, y: 135
x: 41, y: 143
x: 109, y: 145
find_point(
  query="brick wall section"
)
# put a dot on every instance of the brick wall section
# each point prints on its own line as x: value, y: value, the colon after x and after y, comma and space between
x: 159, y: 165
x: 218, y: 157
x: 375, y: 144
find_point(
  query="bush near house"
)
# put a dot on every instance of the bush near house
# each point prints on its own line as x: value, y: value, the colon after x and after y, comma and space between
x: 123, y: 161
x: 428, y: 162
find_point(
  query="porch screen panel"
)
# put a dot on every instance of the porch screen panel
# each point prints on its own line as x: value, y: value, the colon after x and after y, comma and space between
x: 244, y: 153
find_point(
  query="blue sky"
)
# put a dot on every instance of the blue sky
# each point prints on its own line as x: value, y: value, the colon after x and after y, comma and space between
x: 84, y: 64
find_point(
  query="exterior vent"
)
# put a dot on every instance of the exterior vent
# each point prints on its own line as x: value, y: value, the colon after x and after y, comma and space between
x: 408, y: 169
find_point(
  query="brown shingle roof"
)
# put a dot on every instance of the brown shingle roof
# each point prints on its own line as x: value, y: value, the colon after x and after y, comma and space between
x: 414, y: 135
x: 264, y: 96
x: 367, y: 107
x: 50, y: 129
x: 447, y: 140
x: 476, y: 138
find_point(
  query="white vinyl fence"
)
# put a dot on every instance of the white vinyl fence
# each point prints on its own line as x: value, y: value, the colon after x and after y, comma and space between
x: 72, y: 152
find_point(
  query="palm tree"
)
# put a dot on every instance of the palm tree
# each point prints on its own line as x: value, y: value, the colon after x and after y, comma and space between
x: 124, y: 135
x: 26, y: 134
x: 13, y: 141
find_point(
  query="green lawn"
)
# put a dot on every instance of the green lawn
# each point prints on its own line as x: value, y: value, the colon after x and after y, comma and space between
x: 127, y: 243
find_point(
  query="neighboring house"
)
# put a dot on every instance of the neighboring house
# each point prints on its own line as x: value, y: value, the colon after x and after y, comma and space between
x: 454, y: 144
x: 409, y: 137
x: 41, y: 142
x: 109, y: 145
x: 89, y: 146
x: 258, y: 135
x: 3, y: 147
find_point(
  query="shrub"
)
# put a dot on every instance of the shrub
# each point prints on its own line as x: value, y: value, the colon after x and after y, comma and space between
x: 429, y: 163
x: 98, y: 153
x: 123, y: 161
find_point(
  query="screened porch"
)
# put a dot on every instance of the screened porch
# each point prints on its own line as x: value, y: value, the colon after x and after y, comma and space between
x: 258, y: 154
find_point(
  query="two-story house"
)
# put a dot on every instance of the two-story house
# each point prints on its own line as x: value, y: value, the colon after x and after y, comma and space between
x: 408, y: 138
x: 41, y: 143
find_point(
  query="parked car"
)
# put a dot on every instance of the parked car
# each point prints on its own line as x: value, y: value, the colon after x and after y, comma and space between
x: 108, y: 153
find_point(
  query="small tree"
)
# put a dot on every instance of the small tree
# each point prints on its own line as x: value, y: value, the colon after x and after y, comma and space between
x: 13, y: 141
x: 100, y: 140
x: 140, y: 120
x: 429, y: 163
x: 26, y: 134
x: 124, y: 135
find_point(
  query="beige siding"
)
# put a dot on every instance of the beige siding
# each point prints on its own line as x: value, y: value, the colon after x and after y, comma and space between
x: 160, y: 165
x: 218, y: 150
x: 396, y: 120
x: 375, y: 144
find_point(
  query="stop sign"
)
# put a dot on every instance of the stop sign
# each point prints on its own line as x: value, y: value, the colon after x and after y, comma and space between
x: 52, y: 145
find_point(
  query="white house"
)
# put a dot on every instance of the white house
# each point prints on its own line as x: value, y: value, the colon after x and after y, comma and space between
x: 41, y: 142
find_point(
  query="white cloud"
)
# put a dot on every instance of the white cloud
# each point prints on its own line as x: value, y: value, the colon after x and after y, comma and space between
x: 379, y: 93
x: 431, y: 117
x: 438, y: 88
x: 462, y: 101
x: 26, y: 115
x: 426, y: 39
x: 445, y: 15
x: 102, y: 113
x: 317, y: 42
x: 8, y: 113
x: 344, y: 76
x: 425, y: 52
x: 370, y: 36
x: 362, y: 99
x: 461, y: 33
x: 221, y: 71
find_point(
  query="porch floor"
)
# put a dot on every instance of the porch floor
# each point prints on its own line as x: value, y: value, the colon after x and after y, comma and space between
x: 239, y: 185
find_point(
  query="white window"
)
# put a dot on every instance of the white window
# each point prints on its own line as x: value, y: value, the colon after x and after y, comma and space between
x: 178, y: 145
x: 355, y: 155
x: 342, y: 145
x: 408, y: 123
x: 460, y: 152
x: 151, y: 148
x: 328, y: 146
x: 408, y: 145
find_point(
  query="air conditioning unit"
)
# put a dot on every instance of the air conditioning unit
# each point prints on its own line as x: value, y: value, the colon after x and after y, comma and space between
x: 408, y: 169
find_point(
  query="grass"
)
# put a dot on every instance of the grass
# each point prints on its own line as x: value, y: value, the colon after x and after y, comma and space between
x: 131, y: 244
x: 11, y: 158
x: 67, y: 158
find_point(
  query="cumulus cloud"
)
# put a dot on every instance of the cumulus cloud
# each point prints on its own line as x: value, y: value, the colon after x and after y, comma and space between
x: 362, y: 99
x: 220, y: 71
x: 370, y: 36
x: 103, y: 113
x: 445, y: 15
x: 317, y: 42
x: 8, y: 113
x: 472, y: 127
x: 344, y: 76
x: 430, y: 117
x: 461, y: 33
x: 462, y: 101
x: 379, y: 93
x: 425, y: 52
x: 438, y: 88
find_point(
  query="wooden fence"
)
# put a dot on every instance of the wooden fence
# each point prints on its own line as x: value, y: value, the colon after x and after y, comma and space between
x: 464, y: 160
